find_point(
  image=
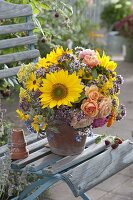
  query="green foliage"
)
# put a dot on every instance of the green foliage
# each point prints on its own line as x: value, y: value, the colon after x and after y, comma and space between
x: 115, y: 11
x: 7, y: 126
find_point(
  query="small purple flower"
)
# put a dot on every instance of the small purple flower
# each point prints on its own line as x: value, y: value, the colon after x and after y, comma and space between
x: 114, y: 102
x: 111, y: 91
x: 119, y: 79
x: 99, y: 122
x: 40, y: 72
x: 53, y: 68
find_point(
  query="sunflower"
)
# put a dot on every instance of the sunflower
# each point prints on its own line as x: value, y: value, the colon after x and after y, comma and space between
x: 22, y: 115
x: 52, y: 57
x: 60, y: 88
x: 32, y: 83
x: 106, y: 62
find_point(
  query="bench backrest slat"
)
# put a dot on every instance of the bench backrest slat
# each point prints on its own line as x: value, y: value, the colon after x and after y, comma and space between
x: 9, y: 10
x: 13, y: 28
x: 27, y: 41
x: 8, y: 43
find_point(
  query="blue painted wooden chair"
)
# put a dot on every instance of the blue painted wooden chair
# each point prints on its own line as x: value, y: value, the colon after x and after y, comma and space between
x: 81, y: 172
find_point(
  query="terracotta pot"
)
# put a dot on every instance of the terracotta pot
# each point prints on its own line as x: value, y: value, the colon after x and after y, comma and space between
x: 64, y: 139
x: 18, y: 145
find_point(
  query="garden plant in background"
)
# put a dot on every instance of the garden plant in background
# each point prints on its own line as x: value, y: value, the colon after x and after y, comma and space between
x: 78, y: 88
x: 125, y: 29
x: 115, y: 11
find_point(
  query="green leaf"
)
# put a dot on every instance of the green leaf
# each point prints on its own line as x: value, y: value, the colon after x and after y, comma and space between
x: 82, y: 96
x: 98, y: 139
x: 45, y: 7
x: 94, y: 73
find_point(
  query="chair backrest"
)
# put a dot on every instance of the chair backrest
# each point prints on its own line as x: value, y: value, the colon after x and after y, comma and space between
x: 9, y: 11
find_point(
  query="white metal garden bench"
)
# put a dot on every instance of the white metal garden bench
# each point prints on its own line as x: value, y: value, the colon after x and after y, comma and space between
x: 81, y: 172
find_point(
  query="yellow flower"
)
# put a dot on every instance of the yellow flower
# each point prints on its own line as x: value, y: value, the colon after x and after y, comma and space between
x: 23, y: 95
x: 35, y: 126
x: 81, y: 72
x: 106, y: 62
x: 106, y: 87
x: 52, y: 57
x: 22, y: 115
x: 39, y: 123
x: 32, y: 83
x: 60, y: 88
x: 25, y: 71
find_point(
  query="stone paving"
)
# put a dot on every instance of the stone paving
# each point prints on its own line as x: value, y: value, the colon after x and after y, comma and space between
x: 119, y: 186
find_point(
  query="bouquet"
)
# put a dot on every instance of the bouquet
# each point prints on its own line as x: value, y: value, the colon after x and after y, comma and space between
x: 79, y: 87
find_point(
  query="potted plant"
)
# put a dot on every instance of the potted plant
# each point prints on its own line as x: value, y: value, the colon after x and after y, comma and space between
x: 125, y: 28
x: 111, y: 14
x: 67, y: 93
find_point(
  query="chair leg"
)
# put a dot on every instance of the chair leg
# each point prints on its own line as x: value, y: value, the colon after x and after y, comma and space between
x: 85, y: 197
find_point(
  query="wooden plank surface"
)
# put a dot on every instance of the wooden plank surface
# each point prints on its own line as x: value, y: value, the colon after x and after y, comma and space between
x: 37, y: 145
x: 9, y: 43
x: 13, y: 28
x: 8, y: 58
x: 70, y: 161
x: 43, y: 162
x: 92, y: 172
x: 34, y: 147
x: 9, y: 10
x: 31, y: 158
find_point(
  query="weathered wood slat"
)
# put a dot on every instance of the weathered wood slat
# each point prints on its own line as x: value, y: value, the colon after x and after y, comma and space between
x: 4, y: 73
x: 43, y: 162
x: 9, y: 10
x: 70, y: 161
x: 9, y: 43
x: 94, y: 171
x: 8, y: 58
x: 13, y: 28
x: 37, y: 145
x: 31, y: 158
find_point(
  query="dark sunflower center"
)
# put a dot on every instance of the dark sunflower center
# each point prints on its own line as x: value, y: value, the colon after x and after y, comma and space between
x: 59, y: 91
x: 34, y: 82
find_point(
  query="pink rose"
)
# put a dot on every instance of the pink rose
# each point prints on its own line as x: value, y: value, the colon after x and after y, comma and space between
x: 105, y: 107
x: 85, y: 52
x: 89, y: 57
x: 90, y: 108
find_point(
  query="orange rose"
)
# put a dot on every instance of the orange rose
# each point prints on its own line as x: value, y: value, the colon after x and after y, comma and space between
x: 105, y: 107
x: 90, y: 108
x: 92, y: 92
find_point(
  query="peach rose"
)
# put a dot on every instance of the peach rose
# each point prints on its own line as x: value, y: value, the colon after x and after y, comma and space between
x: 91, y: 61
x: 105, y: 107
x: 92, y: 92
x: 85, y: 52
x: 89, y: 57
x: 90, y: 108
x: 84, y: 122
